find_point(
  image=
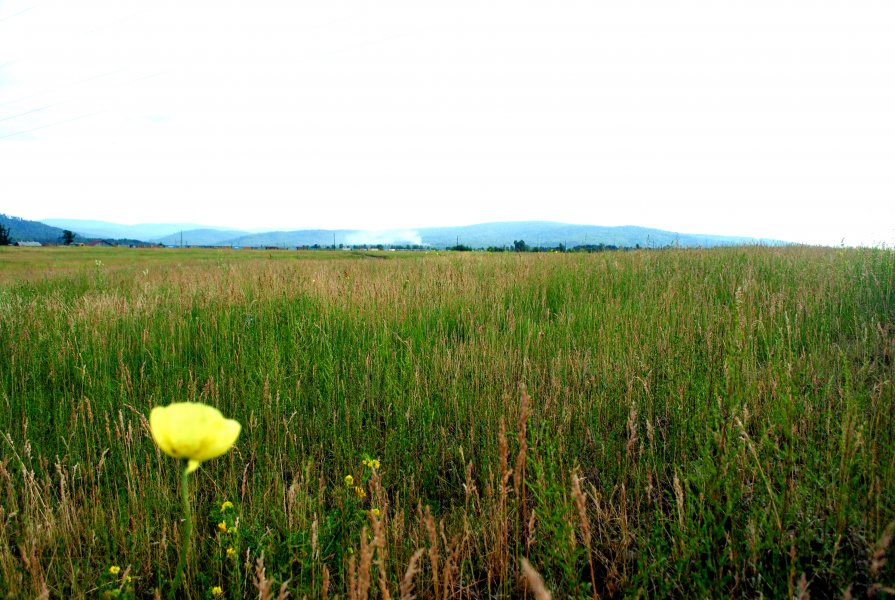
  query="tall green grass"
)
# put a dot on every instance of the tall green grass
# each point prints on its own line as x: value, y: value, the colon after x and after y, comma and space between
x: 700, y: 423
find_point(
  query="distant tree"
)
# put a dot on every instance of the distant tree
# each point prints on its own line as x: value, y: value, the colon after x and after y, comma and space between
x: 520, y: 246
x: 4, y: 236
x: 67, y: 237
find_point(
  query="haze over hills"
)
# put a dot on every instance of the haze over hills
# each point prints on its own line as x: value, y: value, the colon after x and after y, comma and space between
x: 483, y: 235
x: 23, y: 230
x: 142, y: 231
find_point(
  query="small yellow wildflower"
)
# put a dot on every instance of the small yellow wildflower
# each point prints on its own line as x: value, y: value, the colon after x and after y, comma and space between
x: 114, y: 569
x: 128, y: 579
x: 360, y: 491
x: 217, y: 591
x: 231, y: 553
x: 349, y: 480
x: 375, y: 512
x: 222, y: 527
x: 374, y: 464
x: 226, y: 505
x: 367, y: 462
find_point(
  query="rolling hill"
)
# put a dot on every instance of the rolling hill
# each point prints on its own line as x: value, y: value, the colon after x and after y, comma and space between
x: 534, y: 233
x: 22, y: 230
x: 502, y: 234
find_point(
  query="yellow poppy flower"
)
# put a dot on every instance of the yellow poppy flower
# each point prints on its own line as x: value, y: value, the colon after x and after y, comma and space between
x: 114, y: 569
x: 192, y: 430
x: 222, y: 527
x: 217, y: 592
x: 231, y: 553
x: 226, y: 505
x: 349, y: 480
x: 374, y: 464
x: 360, y: 492
x: 375, y: 512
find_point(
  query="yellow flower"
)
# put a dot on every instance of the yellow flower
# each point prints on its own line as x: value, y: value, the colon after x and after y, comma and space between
x: 231, y: 553
x: 128, y: 579
x: 114, y: 569
x: 367, y: 462
x: 360, y: 491
x: 192, y: 430
x: 222, y: 527
x: 374, y: 464
x: 226, y: 505
x: 217, y: 592
x: 349, y: 480
x: 375, y: 512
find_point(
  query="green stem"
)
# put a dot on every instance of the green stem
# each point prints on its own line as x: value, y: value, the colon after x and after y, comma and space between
x: 187, y: 530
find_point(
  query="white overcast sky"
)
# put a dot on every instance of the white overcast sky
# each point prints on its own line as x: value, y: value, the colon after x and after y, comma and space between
x: 771, y: 118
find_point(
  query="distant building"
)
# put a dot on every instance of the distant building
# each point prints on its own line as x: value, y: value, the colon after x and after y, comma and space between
x: 103, y: 243
x: 29, y: 244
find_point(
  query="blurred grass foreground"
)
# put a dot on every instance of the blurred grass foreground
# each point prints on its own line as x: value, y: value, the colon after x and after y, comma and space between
x: 674, y: 423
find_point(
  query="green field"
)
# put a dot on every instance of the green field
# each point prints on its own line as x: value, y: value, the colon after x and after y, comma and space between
x: 697, y: 423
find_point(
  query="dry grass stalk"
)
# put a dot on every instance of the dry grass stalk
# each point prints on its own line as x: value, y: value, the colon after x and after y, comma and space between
x: 633, y: 438
x: 262, y: 583
x: 679, y: 499
x: 535, y: 582
x: 530, y: 528
x: 469, y: 488
x: 283, y: 593
x: 522, y: 439
x: 433, y: 548
x: 802, y: 589
x: 744, y: 435
x: 584, y: 524
x: 412, y: 570
x: 501, y: 518
x: 381, y: 554
x: 878, y: 560
x: 352, y: 578
x: 378, y: 496
x: 450, y: 566
x: 324, y: 593
x: 503, y: 450
x: 364, y: 566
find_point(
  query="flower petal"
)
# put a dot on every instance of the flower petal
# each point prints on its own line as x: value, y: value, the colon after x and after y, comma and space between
x: 160, y: 426
x: 219, y: 437
x: 192, y: 430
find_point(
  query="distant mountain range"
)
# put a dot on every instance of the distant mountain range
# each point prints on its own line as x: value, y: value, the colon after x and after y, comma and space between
x: 533, y: 233
x: 144, y: 231
x: 23, y: 230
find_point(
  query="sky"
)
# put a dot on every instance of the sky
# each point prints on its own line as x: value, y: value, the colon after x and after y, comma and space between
x: 765, y: 118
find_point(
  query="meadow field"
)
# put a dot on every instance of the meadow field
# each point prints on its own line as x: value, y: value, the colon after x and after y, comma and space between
x: 663, y: 423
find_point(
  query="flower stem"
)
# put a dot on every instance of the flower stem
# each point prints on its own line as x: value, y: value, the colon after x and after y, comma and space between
x: 187, y: 530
